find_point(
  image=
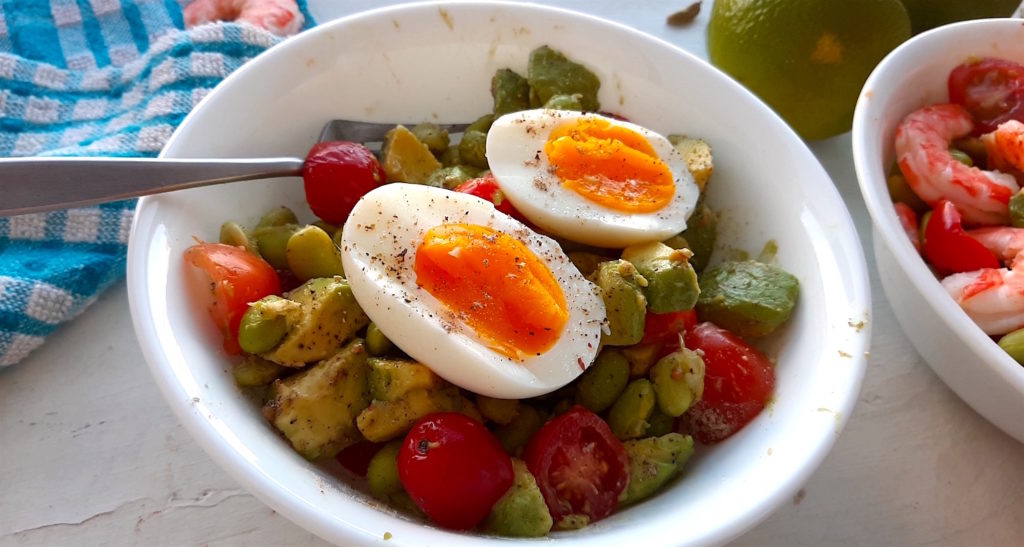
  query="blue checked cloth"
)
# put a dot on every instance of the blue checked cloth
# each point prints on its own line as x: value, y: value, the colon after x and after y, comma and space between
x: 92, y: 78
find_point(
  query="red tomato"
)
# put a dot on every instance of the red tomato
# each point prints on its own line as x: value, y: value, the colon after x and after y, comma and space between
x: 580, y: 466
x: 238, y: 278
x: 948, y: 247
x: 486, y: 187
x: 992, y: 90
x: 356, y: 457
x: 662, y: 327
x: 454, y: 469
x: 908, y: 220
x: 336, y: 174
x: 738, y: 380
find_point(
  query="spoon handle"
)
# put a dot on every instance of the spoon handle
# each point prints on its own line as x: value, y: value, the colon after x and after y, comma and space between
x: 29, y: 185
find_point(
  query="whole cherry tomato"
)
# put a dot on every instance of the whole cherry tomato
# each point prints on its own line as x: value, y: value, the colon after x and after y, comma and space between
x: 580, y: 466
x: 948, y: 247
x: 238, y: 278
x: 454, y: 469
x: 336, y: 174
x: 992, y: 90
x: 738, y: 380
x: 487, y: 187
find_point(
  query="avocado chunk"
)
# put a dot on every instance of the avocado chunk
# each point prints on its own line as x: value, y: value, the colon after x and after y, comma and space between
x: 700, y: 234
x: 328, y: 318
x: 265, y: 323
x: 678, y: 380
x: 603, y: 382
x: 628, y: 416
x: 653, y: 462
x: 671, y: 281
x: 511, y: 92
x: 697, y: 154
x: 472, y: 149
x: 386, y: 420
x: 749, y: 298
x: 565, y: 102
x: 406, y: 159
x: 521, y: 512
x: 452, y: 177
x: 316, y: 408
x: 624, y: 302
x: 392, y: 379
x: 550, y: 73
x: 433, y: 136
x: 514, y: 435
x: 255, y: 371
x: 499, y: 411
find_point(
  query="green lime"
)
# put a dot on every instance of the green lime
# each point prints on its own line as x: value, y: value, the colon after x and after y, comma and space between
x: 926, y: 14
x: 807, y: 59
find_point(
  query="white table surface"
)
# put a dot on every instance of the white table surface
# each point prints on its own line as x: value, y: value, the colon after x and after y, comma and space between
x: 90, y: 454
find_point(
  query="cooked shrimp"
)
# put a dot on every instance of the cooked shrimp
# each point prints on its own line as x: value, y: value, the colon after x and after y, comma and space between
x: 908, y: 220
x: 922, y: 149
x: 1005, y: 146
x: 281, y: 17
x: 992, y: 297
x: 1006, y: 242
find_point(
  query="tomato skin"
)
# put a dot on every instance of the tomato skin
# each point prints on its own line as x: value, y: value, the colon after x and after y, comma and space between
x: 738, y: 380
x: 238, y: 278
x: 486, y: 187
x: 662, y: 327
x: 579, y: 464
x: 336, y: 174
x: 908, y: 220
x: 454, y: 469
x: 356, y: 457
x: 948, y: 247
x: 992, y: 90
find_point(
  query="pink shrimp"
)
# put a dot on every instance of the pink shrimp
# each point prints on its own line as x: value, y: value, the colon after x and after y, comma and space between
x: 908, y: 220
x: 922, y: 149
x: 993, y: 297
x: 1005, y: 147
x: 1006, y: 242
x: 281, y: 17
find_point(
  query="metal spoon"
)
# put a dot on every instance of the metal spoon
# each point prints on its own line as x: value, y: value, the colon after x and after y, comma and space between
x: 30, y: 185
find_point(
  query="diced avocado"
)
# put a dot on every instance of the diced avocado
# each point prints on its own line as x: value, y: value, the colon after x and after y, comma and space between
x: 671, y: 281
x: 266, y: 322
x: 382, y: 473
x: 515, y: 434
x: 386, y: 420
x: 678, y: 380
x: 329, y: 317
x: 450, y: 178
x: 603, y: 382
x: 641, y: 358
x: 391, y: 379
x: 749, y: 298
x: 565, y: 102
x: 499, y: 411
x: 550, y: 73
x: 376, y: 342
x: 628, y: 416
x: 406, y: 159
x: 653, y: 462
x: 586, y: 262
x: 255, y: 371
x: 697, y: 154
x: 510, y: 91
x: 521, y: 512
x: 701, y: 233
x: 473, y: 146
x: 433, y: 136
x: 316, y: 408
x: 624, y: 302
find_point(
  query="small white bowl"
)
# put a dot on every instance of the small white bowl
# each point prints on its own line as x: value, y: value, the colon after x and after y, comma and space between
x: 911, y: 76
x: 435, y: 61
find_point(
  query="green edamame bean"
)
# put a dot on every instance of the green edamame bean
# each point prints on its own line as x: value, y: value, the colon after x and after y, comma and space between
x: 586, y: 262
x: 329, y: 228
x: 653, y: 462
x: 659, y: 423
x: 677, y: 242
x: 924, y: 226
x: 255, y: 371
x: 376, y: 343
x: 1017, y: 210
x: 451, y: 177
x: 278, y: 217
x: 1013, y: 343
x: 961, y: 156
x: 678, y: 380
x: 433, y: 136
x: 514, y: 435
x: 628, y: 416
x: 260, y: 331
x: 232, y: 233
x: 499, y: 411
x: 272, y: 242
x: 900, y: 191
x: 311, y: 253
x: 382, y: 473
x: 603, y: 382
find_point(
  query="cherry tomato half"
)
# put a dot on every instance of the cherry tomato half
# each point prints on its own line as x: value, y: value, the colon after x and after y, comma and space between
x: 662, y: 327
x: 336, y: 174
x: 486, y: 187
x: 992, y: 90
x: 356, y: 457
x: 580, y: 466
x: 238, y: 277
x: 738, y: 380
x: 454, y: 469
x: 948, y: 247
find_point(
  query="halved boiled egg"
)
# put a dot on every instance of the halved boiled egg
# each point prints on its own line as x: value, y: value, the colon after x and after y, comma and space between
x: 591, y: 178
x: 481, y: 299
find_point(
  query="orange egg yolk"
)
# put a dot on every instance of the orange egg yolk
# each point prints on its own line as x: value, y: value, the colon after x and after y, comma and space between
x: 610, y: 165
x: 492, y: 282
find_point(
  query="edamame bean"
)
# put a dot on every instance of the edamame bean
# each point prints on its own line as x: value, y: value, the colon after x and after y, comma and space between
x: 1017, y: 210
x: 255, y: 371
x: 261, y: 330
x: 678, y: 380
x: 603, y: 382
x: 514, y: 435
x: 586, y: 262
x: 500, y: 411
x: 900, y: 191
x: 382, y: 473
x: 278, y: 217
x: 329, y: 228
x: 311, y: 254
x: 433, y: 136
x: 232, y: 233
x: 961, y: 156
x: 653, y: 462
x: 376, y: 343
x: 659, y: 423
x: 628, y: 416
x: 1013, y: 343
x: 272, y: 242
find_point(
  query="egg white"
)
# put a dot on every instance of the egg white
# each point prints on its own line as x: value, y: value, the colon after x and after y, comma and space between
x: 379, y: 244
x: 515, y: 153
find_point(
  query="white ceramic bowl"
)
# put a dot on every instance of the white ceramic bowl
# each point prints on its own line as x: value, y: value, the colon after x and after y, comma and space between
x: 911, y: 76
x: 432, y: 61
